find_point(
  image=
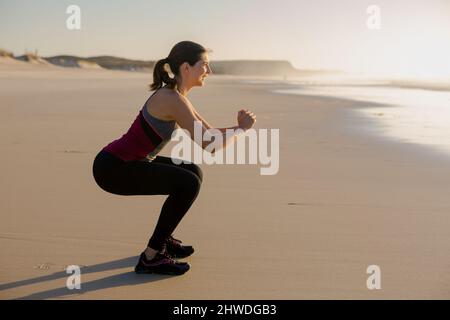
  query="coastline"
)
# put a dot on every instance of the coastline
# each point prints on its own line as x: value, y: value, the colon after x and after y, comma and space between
x: 406, y: 115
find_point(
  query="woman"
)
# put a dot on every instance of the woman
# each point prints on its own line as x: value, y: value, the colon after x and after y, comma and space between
x: 130, y: 165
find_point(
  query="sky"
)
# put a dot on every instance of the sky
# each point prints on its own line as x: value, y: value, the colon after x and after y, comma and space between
x: 413, y: 38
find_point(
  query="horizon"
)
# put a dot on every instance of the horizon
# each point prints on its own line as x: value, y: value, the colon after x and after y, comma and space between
x: 36, y: 53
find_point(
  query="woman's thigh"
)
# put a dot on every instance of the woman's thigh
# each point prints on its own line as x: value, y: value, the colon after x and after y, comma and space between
x: 150, y: 178
x: 188, y: 166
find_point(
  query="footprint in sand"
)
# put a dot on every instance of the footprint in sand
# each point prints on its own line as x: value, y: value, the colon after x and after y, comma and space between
x: 80, y: 265
x: 48, y: 266
x: 43, y: 266
x: 73, y: 151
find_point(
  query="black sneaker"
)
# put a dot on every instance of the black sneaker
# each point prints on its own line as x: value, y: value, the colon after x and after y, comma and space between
x: 161, y: 264
x: 176, y: 249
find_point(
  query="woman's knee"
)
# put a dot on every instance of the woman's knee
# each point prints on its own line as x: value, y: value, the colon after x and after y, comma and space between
x: 190, y: 183
x: 196, y: 170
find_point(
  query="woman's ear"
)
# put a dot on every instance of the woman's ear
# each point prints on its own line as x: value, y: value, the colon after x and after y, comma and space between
x: 185, y: 66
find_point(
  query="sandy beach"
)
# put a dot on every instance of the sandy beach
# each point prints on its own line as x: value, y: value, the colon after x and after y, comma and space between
x: 343, y: 199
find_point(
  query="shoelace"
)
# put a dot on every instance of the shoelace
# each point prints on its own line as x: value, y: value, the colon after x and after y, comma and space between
x: 174, y: 241
x: 167, y: 257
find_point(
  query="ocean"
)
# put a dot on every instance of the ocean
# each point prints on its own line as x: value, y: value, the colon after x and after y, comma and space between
x: 414, y: 115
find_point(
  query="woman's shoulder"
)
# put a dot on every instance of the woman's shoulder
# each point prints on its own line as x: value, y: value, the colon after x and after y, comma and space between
x: 168, y: 96
x: 165, y: 103
x: 173, y: 98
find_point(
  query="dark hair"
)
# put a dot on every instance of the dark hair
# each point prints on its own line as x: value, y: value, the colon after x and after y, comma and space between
x: 184, y: 51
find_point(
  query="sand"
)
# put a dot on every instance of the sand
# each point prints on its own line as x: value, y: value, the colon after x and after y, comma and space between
x: 343, y: 199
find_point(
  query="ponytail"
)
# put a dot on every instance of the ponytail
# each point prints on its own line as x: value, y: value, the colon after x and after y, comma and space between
x: 161, y: 75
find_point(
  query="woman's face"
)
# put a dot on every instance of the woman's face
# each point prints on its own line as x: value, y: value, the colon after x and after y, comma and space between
x: 200, y: 71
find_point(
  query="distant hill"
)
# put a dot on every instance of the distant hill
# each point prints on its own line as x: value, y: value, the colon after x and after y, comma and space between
x: 66, y: 61
x: 32, y: 58
x: 232, y: 67
x: 6, y: 54
x: 106, y: 62
x: 228, y: 67
x: 109, y: 62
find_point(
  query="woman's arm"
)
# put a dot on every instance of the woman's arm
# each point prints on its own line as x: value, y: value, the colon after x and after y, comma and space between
x: 208, y: 126
x: 184, y: 114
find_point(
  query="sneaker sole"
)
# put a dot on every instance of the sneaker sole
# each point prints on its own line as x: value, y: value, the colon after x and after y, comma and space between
x: 139, y: 270
x: 181, y: 256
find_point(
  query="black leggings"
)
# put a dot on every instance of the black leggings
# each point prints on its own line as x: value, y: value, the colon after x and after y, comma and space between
x: 160, y: 177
